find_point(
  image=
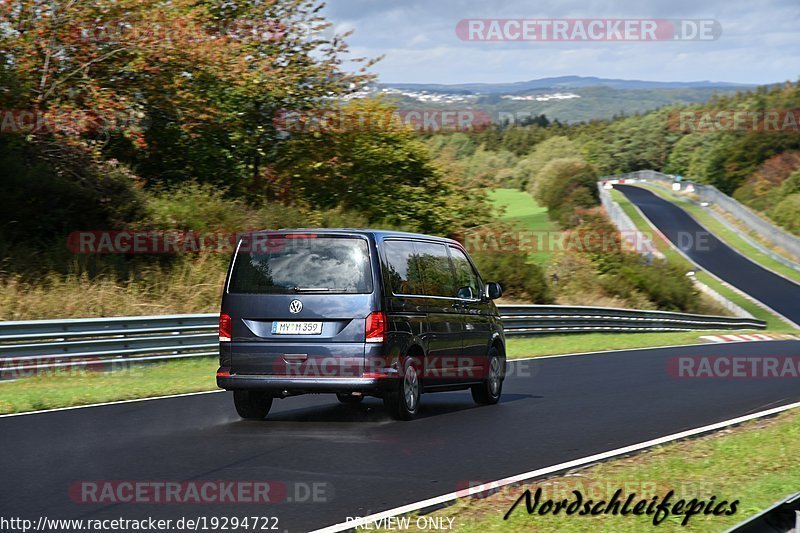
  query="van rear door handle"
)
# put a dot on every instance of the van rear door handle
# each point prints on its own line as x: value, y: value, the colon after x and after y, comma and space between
x: 295, y: 358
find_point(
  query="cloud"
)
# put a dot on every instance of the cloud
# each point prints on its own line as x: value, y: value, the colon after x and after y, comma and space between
x: 418, y: 38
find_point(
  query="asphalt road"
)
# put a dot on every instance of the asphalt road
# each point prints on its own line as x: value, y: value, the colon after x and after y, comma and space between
x: 552, y: 410
x: 715, y: 256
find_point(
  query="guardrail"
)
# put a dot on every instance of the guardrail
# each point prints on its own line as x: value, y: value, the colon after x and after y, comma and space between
x: 30, y: 345
x: 540, y: 319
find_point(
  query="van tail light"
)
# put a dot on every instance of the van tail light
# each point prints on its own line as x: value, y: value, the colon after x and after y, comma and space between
x: 225, y: 328
x: 376, y: 326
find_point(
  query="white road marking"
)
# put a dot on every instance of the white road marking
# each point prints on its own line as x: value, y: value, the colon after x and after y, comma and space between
x: 493, y: 485
x: 111, y: 403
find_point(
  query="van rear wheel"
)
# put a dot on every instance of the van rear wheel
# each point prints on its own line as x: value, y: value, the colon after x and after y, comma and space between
x: 488, y: 392
x: 403, y: 403
x: 251, y: 404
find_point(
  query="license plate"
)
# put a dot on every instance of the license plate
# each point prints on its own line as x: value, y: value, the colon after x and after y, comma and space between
x: 296, y: 328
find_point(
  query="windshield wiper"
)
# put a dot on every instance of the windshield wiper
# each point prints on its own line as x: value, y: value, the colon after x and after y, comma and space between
x: 311, y: 289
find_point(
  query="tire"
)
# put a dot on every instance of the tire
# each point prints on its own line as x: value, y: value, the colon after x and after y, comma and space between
x: 488, y: 392
x: 403, y: 403
x: 349, y: 399
x: 252, y: 405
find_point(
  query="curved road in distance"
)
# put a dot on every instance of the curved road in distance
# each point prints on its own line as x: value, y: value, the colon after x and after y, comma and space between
x: 716, y: 257
x: 552, y: 410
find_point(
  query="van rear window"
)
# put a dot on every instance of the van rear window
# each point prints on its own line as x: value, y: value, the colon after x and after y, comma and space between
x: 336, y: 265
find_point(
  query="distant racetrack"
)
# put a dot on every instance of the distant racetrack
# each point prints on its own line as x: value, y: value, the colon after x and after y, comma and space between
x: 716, y: 257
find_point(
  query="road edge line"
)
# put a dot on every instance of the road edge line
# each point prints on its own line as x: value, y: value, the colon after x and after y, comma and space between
x: 554, y: 356
x: 493, y: 485
x: 118, y: 402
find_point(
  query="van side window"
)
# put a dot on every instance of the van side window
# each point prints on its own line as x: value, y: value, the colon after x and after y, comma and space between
x: 403, y: 266
x: 437, y: 272
x: 466, y: 278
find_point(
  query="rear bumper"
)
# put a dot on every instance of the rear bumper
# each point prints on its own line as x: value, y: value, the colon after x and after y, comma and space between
x: 298, y: 385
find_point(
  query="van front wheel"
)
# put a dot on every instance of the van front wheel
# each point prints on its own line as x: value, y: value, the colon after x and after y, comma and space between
x: 251, y: 404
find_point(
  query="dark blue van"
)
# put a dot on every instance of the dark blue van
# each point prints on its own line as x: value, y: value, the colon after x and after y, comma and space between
x: 357, y: 313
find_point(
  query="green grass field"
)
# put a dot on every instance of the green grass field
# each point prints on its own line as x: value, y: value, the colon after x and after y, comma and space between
x: 523, y: 211
x: 83, y: 387
x: 536, y: 346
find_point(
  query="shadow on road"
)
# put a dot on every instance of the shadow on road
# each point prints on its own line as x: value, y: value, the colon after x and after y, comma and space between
x: 372, y: 409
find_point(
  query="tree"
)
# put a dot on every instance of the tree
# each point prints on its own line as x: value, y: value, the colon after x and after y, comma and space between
x: 370, y: 163
x: 206, y: 78
x: 553, y: 148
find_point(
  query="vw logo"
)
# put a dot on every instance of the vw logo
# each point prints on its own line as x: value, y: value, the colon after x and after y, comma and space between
x: 295, y: 306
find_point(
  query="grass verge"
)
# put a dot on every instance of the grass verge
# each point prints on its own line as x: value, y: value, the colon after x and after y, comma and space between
x: 518, y: 347
x: 773, y: 321
x: 731, y: 464
x: 82, y: 387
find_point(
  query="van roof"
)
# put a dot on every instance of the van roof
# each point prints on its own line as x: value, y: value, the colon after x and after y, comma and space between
x: 377, y: 233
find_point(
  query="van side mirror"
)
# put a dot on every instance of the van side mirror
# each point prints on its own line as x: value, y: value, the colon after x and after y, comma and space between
x: 493, y: 290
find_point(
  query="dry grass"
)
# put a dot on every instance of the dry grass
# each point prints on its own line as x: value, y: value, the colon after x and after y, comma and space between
x: 191, y: 286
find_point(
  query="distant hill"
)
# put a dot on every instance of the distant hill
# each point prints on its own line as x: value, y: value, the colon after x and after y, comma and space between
x: 562, y: 82
x: 565, y: 98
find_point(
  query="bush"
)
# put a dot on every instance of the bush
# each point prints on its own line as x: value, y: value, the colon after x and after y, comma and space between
x: 545, y: 151
x: 787, y: 213
x: 665, y: 285
x: 519, y: 278
x: 627, y: 276
x: 204, y: 207
x: 564, y: 185
x: 41, y: 204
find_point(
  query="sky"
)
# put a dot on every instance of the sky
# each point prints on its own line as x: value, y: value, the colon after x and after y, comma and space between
x: 759, y: 41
